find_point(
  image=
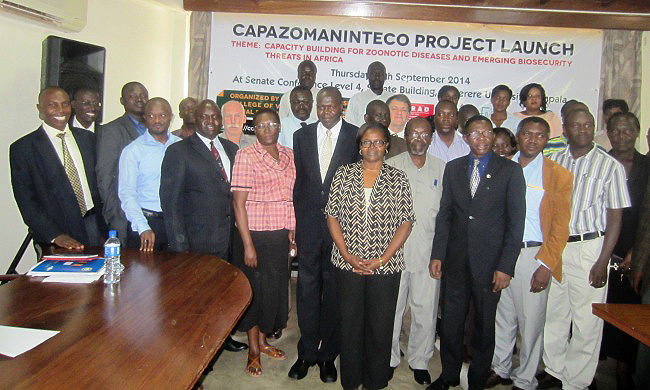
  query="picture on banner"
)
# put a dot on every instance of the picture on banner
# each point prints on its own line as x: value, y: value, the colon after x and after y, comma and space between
x: 254, y: 59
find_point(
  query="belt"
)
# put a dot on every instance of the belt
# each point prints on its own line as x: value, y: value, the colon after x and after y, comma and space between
x: 530, y: 244
x: 586, y: 236
x: 149, y: 213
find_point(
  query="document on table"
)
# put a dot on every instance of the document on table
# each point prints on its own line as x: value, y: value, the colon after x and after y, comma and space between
x: 14, y: 340
x: 71, y: 278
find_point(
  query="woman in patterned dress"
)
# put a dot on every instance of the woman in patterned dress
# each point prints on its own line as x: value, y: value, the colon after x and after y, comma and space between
x: 369, y: 215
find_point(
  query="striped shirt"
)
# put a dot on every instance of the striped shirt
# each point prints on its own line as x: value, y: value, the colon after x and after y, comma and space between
x: 269, y: 183
x: 599, y: 183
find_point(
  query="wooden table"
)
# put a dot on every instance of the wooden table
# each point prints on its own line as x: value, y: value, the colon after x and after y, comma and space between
x: 158, y: 328
x: 630, y: 318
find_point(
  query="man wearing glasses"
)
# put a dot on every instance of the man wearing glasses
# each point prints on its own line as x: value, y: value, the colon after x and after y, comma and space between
x: 416, y: 287
x: 479, y: 231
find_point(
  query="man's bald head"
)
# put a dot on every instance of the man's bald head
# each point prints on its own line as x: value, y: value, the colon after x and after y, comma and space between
x: 417, y: 122
x: 208, y: 119
x: 307, y: 74
x: 329, y: 106
x: 158, y: 116
x: 54, y: 107
x: 377, y: 111
x: 133, y: 97
x: 234, y: 117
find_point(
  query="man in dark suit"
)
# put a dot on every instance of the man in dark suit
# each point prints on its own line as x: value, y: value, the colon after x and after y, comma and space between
x: 195, y: 192
x: 479, y: 231
x: 111, y: 139
x: 53, y: 177
x: 86, y: 107
x: 319, y: 149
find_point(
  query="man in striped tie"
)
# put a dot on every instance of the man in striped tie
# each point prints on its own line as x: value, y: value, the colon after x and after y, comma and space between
x: 479, y: 230
x: 53, y: 177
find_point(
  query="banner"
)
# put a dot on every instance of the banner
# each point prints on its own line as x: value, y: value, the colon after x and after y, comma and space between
x: 254, y: 59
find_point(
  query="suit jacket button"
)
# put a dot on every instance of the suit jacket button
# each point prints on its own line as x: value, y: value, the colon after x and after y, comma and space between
x: 471, y: 217
x: 322, y: 193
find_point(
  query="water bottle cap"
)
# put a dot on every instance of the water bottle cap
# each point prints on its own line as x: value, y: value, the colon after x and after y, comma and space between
x: 112, y: 234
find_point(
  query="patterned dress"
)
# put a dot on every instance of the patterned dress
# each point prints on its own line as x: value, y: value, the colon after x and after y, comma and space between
x: 368, y: 231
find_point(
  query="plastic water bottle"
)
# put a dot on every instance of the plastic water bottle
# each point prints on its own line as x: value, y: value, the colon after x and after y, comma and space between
x: 112, y: 259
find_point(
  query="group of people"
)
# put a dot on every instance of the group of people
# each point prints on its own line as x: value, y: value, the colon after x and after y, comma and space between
x: 509, y: 220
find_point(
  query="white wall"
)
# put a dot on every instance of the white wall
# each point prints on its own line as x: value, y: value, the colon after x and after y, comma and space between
x: 144, y: 42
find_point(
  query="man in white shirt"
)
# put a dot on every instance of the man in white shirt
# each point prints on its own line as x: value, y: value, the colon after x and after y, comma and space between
x: 86, y: 107
x: 447, y: 143
x: 53, y: 177
x: 302, y: 103
x: 306, y: 78
x: 399, y: 107
x: 376, y: 76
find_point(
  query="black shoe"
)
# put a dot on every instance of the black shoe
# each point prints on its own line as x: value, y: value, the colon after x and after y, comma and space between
x: 299, y: 369
x: 593, y: 385
x: 233, y: 345
x: 421, y: 376
x: 441, y: 384
x: 327, y: 372
x: 275, y: 335
x: 494, y: 379
x: 547, y: 381
x: 390, y: 375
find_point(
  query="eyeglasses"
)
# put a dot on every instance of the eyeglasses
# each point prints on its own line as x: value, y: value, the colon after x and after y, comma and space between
x: 270, y: 125
x: 478, y: 134
x: 378, y: 143
x: 422, y: 136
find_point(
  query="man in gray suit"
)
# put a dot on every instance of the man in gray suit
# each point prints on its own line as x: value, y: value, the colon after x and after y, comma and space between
x: 111, y: 139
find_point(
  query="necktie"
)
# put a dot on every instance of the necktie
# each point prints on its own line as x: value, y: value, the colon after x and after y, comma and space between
x: 303, y: 124
x: 215, y: 153
x: 326, y: 154
x: 73, y: 175
x: 475, y: 178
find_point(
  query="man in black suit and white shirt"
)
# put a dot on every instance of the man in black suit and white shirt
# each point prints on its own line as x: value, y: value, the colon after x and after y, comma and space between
x: 111, y: 139
x: 195, y: 192
x: 479, y: 232
x: 319, y: 149
x: 53, y: 177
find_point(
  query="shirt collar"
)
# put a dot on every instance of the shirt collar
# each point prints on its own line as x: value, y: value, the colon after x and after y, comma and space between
x: 141, y: 128
x: 54, y: 131
x: 482, y: 160
x: 149, y: 139
x: 535, y: 164
x: 457, y: 137
x: 586, y: 156
x: 77, y: 124
x: 207, y: 141
x: 335, y: 129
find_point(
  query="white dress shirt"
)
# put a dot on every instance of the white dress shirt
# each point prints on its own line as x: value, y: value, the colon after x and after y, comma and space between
x: 222, y: 152
x: 75, y: 154
x: 321, y: 134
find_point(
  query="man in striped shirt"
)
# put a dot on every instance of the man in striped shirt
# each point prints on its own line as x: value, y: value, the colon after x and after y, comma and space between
x: 599, y: 195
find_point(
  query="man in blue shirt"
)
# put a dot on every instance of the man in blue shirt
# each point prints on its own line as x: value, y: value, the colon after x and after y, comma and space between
x: 139, y: 178
x: 479, y: 230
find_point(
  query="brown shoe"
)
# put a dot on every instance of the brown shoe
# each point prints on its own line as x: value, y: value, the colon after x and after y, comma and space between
x: 494, y: 379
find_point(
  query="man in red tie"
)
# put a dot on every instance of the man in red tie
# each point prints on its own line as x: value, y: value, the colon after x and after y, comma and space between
x: 195, y: 191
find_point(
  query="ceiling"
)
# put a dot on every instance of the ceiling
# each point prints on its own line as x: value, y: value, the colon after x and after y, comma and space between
x: 607, y: 14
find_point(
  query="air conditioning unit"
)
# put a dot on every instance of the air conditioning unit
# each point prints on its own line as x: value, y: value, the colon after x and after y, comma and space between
x: 68, y: 15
